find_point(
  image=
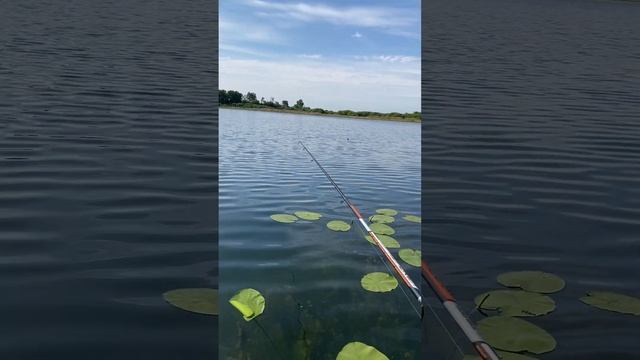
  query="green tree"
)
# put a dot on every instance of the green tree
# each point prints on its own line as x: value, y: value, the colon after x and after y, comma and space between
x: 251, y: 98
x: 299, y: 105
x: 285, y: 104
x: 222, y: 97
x: 235, y: 97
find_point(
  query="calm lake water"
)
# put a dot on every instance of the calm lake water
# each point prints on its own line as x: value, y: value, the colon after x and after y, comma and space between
x: 310, y: 275
x: 107, y: 178
x: 531, y: 149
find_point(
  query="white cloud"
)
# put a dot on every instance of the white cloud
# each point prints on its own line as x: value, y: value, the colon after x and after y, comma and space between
x: 310, y: 56
x: 235, y: 31
x: 356, y: 35
x: 403, y: 59
x: 332, y: 84
x: 367, y: 16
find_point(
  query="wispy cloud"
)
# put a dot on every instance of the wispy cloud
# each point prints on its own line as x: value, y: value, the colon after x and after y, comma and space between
x: 403, y: 59
x: 232, y: 30
x: 366, y: 16
x: 356, y: 35
x: 310, y: 56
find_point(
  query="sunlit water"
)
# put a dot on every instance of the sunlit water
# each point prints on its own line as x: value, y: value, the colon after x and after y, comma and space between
x: 310, y: 275
x: 531, y: 147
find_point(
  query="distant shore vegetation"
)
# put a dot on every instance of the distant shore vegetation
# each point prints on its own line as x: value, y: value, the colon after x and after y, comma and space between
x: 249, y: 101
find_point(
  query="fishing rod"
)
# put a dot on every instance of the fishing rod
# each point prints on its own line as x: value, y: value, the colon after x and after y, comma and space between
x: 394, y: 263
x: 483, y: 349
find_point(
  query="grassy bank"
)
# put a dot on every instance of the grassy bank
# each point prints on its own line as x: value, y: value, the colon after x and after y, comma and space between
x: 364, y: 115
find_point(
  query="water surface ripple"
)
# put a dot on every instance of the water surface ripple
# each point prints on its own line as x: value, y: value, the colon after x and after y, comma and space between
x: 309, y: 275
x: 107, y: 178
x: 531, y: 147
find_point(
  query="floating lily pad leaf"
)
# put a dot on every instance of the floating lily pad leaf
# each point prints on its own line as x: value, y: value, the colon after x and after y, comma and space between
x: 249, y: 302
x: 383, y: 219
x: 516, y: 302
x: 386, y: 240
x: 388, y: 212
x: 284, y: 218
x: 516, y: 335
x: 307, y: 215
x: 504, y: 355
x: 338, y: 225
x: 379, y: 282
x: 382, y: 229
x: 535, y: 281
x: 197, y: 300
x: 411, y: 257
x: 413, y: 218
x: 360, y: 351
x: 613, y: 302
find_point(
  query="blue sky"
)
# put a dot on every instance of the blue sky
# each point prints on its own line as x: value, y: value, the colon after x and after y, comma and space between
x: 358, y: 55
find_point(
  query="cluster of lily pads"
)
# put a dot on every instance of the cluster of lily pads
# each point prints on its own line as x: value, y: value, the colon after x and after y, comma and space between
x: 378, y: 282
x: 251, y: 303
x: 528, y: 296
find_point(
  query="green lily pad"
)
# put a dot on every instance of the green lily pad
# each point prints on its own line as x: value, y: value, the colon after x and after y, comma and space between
x: 196, y: 300
x: 249, y: 302
x: 284, y: 218
x: 388, y: 212
x: 411, y: 257
x: 516, y: 302
x: 613, y: 302
x: 383, y: 219
x: 338, y: 225
x: 382, y: 229
x: 516, y: 335
x: 307, y: 215
x: 386, y: 240
x: 534, y: 281
x: 413, y: 218
x: 379, y: 282
x: 504, y: 355
x: 360, y: 351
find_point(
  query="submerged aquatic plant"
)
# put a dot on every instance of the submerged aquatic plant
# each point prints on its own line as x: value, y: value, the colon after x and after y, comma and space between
x: 360, y: 351
x: 249, y: 302
x: 411, y: 257
x: 386, y: 240
x: 338, y: 225
x: 308, y: 215
x: 284, y: 218
x: 516, y: 335
x: 379, y: 282
x: 613, y: 302
x: 515, y: 302
x: 534, y: 281
x: 196, y: 300
x: 388, y: 212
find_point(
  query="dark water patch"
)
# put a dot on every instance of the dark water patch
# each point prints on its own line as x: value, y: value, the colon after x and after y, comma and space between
x: 107, y: 178
x: 531, y: 158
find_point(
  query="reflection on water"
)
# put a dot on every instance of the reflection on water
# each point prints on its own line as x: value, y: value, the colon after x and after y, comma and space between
x: 310, y: 275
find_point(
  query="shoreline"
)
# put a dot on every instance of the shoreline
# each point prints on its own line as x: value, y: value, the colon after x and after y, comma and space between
x: 300, y: 112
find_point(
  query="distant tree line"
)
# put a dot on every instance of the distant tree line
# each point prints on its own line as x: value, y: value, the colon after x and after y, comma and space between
x: 250, y: 100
